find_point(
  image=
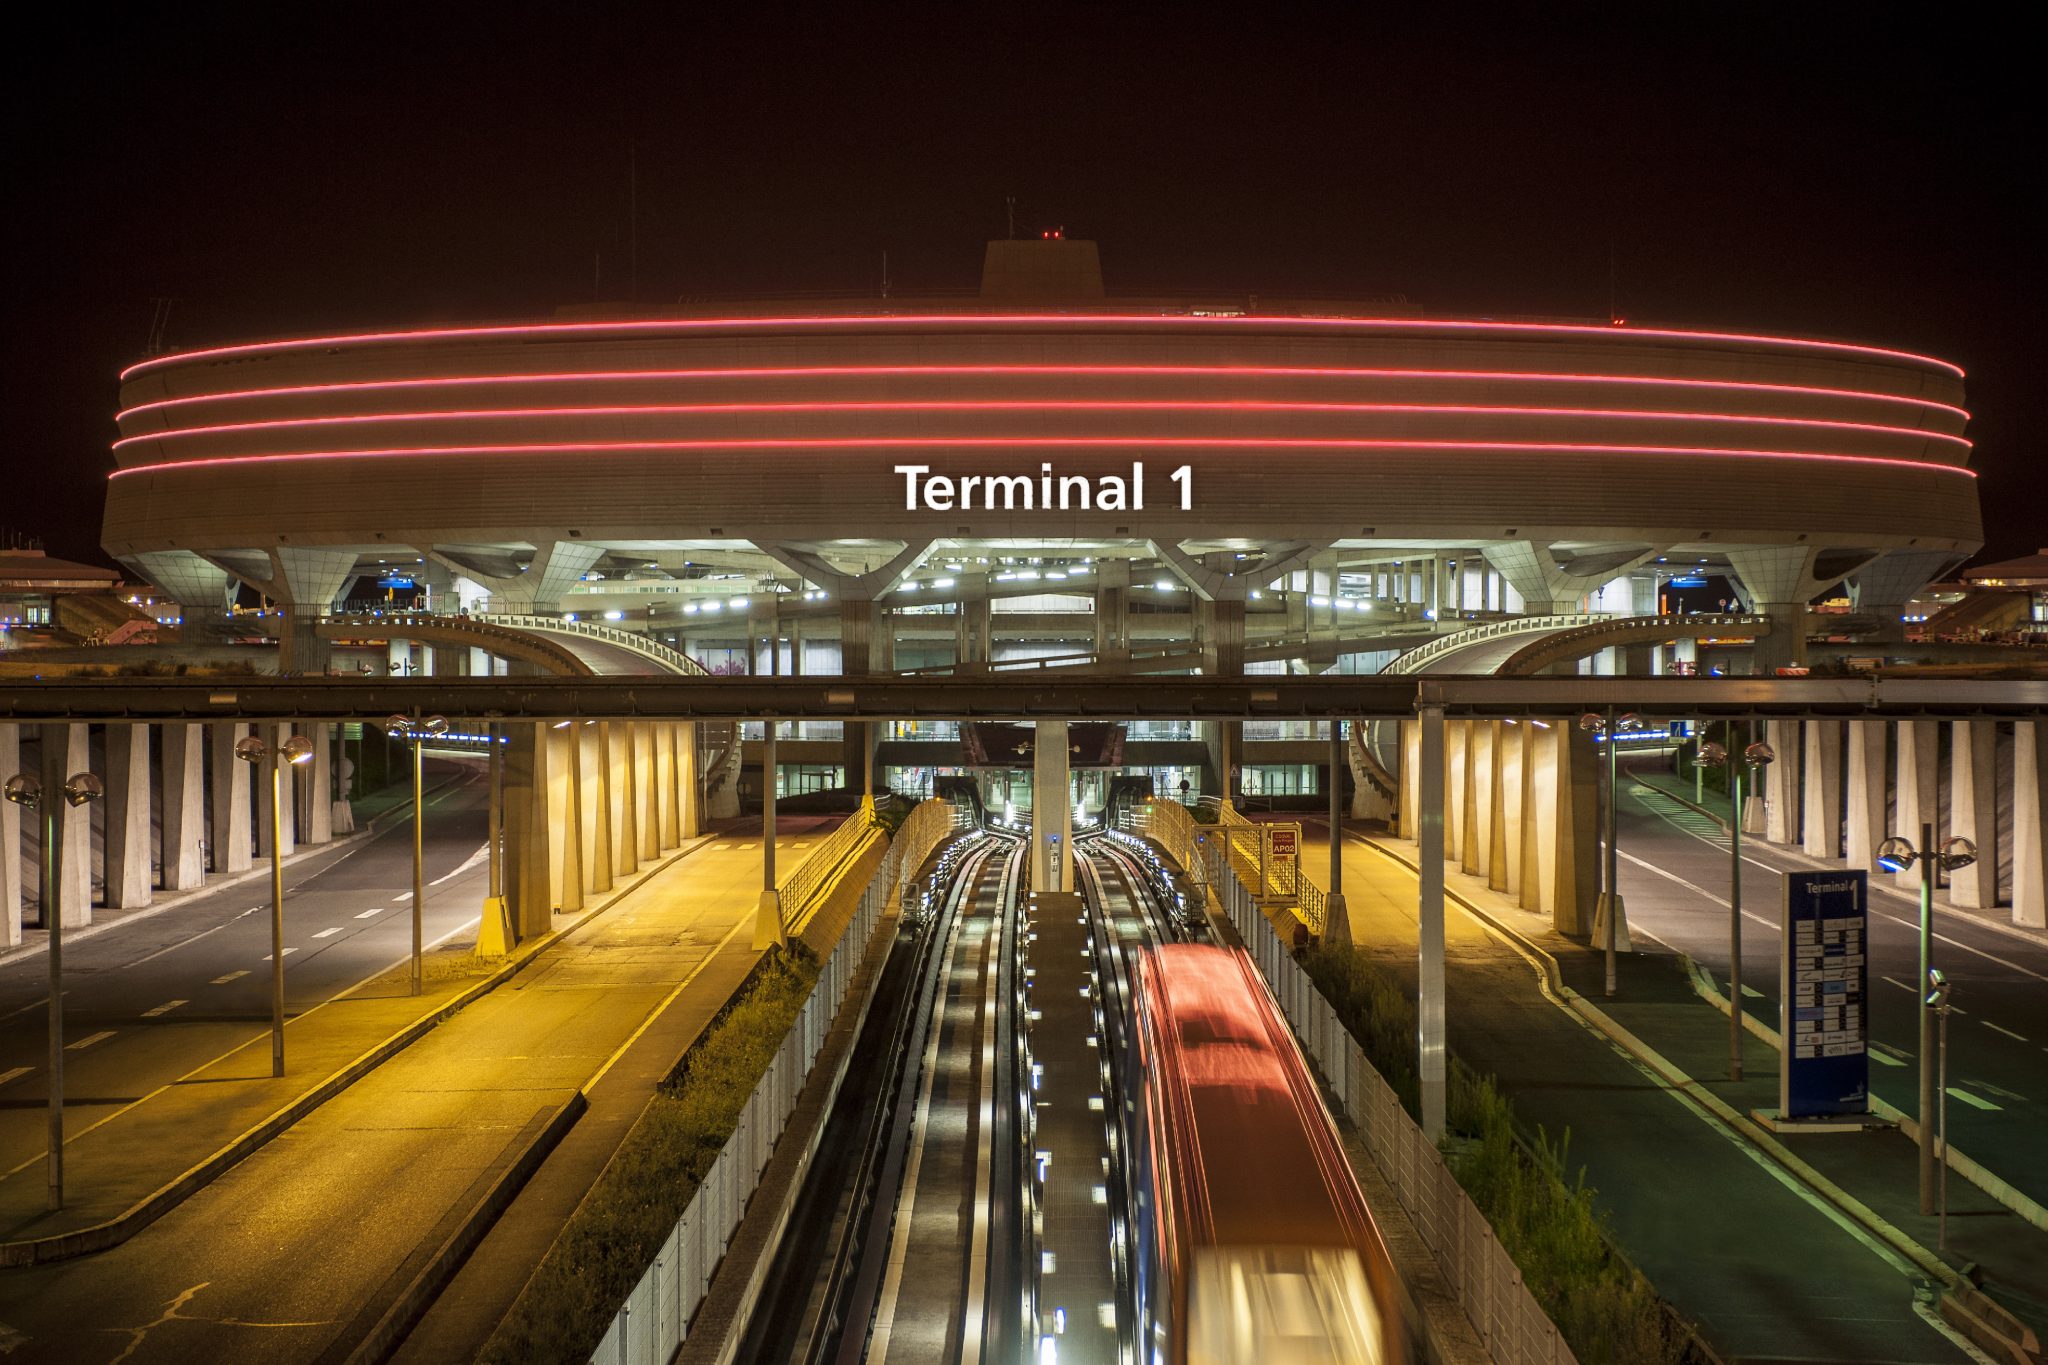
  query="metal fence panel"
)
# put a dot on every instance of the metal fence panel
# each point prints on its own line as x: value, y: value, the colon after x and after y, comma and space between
x: 1514, y: 1328
x: 655, y: 1318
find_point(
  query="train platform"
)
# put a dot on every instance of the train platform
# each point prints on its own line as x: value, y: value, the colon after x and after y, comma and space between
x: 362, y: 1194
x: 1705, y: 1212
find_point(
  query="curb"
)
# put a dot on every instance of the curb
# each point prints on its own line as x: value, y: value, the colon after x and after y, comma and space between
x: 122, y: 1226
x: 397, y: 1321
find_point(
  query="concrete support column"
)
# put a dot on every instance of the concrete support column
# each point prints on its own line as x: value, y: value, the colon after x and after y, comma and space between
x: 67, y: 749
x: 1916, y: 795
x: 1429, y: 878
x: 2030, y: 824
x: 1866, y: 816
x: 1782, y: 785
x: 126, y: 874
x: 1566, y: 801
x: 532, y: 844
x: 1501, y: 739
x: 1411, y: 779
x: 10, y: 841
x: 689, y: 805
x: 1820, y: 833
x: 228, y: 836
x: 1478, y: 792
x: 287, y: 837
x: 1973, y: 810
x: 626, y: 772
x: 647, y: 783
x: 1052, y: 816
x: 1457, y: 764
x: 1528, y: 884
x: 1222, y: 637
x: 314, y: 784
x: 662, y: 771
x: 1785, y: 645
x: 565, y: 812
x: 184, y: 806
x: 594, y: 750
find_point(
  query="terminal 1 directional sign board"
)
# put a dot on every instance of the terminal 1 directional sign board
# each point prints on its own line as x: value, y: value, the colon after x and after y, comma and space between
x: 1823, y: 975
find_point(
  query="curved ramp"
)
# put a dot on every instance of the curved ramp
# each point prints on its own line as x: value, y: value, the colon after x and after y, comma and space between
x: 458, y: 632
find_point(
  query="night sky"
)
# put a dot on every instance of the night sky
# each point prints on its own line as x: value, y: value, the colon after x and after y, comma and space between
x: 1840, y: 172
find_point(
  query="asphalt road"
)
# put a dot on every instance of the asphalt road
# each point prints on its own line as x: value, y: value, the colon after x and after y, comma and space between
x: 1674, y: 874
x: 149, y: 1001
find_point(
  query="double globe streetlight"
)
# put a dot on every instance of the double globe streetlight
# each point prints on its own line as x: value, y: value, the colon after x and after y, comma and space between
x: 1755, y: 757
x: 26, y: 790
x: 1897, y: 855
x: 291, y: 752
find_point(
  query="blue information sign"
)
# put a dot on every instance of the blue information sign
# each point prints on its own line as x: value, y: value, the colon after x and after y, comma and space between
x: 1823, y: 973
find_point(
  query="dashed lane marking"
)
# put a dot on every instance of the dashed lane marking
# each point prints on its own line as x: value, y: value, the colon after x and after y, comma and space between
x: 164, y: 1008
x: 1900, y: 984
x: 223, y: 980
x: 328, y: 933
x: 89, y: 1040
x: 2020, y: 1037
x: 367, y: 914
x: 287, y: 952
x: 1879, y: 1054
x: 1967, y: 1098
x: 9, y: 1077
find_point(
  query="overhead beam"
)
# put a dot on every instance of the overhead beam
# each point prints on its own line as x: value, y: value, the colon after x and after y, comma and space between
x: 1002, y: 697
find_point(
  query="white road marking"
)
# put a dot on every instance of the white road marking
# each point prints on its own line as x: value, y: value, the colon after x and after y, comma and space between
x: 1912, y: 924
x: 31, y: 1005
x: 328, y: 933
x: 1753, y: 992
x: 223, y: 980
x: 1967, y: 1098
x: 483, y: 852
x: 1695, y: 888
x: 164, y: 1008
x: 2021, y: 1037
x: 287, y: 952
x: 1900, y: 984
x: 9, y: 1076
x: 1880, y: 1055
x: 89, y: 1040
x: 368, y: 913
x: 403, y: 896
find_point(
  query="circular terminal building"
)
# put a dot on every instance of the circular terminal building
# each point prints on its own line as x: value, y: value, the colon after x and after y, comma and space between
x: 1042, y: 475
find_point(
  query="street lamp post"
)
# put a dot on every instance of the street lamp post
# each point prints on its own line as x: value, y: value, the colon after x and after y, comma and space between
x: 417, y: 730
x: 24, y: 789
x: 1609, y: 901
x: 1936, y: 1002
x: 253, y: 750
x: 1897, y: 855
x: 1758, y: 755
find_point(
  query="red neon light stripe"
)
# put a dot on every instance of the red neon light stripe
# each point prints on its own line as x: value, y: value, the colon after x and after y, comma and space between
x: 890, y: 321
x: 1064, y: 442
x: 852, y: 371
x: 1022, y: 405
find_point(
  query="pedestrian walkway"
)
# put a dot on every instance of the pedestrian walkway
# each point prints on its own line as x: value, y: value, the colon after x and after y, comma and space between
x: 1764, y: 1265
x: 303, y: 1247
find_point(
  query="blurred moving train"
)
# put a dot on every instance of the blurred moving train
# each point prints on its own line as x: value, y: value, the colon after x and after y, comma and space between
x: 1253, y: 1242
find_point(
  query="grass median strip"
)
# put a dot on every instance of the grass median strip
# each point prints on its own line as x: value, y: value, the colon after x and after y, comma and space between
x: 564, y: 1310
x: 1548, y: 1223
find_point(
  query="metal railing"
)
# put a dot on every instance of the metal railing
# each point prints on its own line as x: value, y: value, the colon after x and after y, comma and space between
x: 485, y: 632
x: 1241, y: 846
x: 803, y: 885
x: 1414, y: 660
x: 655, y: 1318
x: 674, y: 659
x: 1623, y: 625
x: 1488, y: 1285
